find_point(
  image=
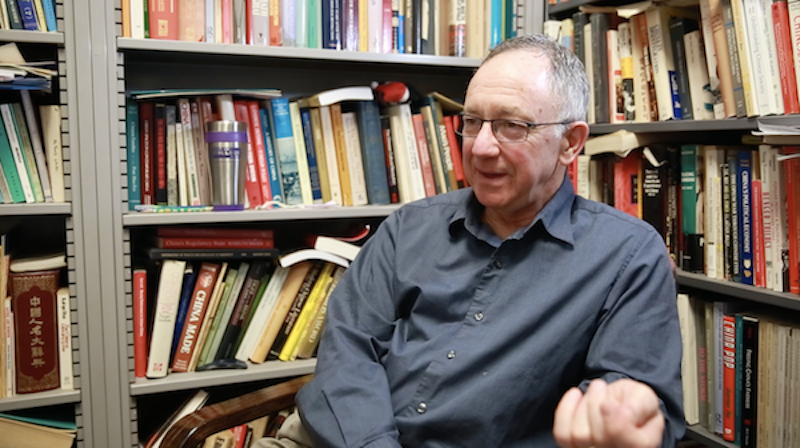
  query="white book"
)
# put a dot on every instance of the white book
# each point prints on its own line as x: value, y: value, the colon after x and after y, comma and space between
x: 36, y: 142
x: 758, y: 55
x: 406, y: 154
x: 301, y: 24
x: 584, y: 180
x: 662, y: 60
x: 588, y: 56
x: 27, y: 150
x: 794, y: 15
x: 261, y: 314
x: 189, y: 151
x: 337, y: 247
x: 355, y: 163
x: 172, y: 157
x: 614, y: 76
x: 166, y: 312
x: 710, y: 53
x: 300, y: 153
x: 780, y: 231
x: 711, y: 239
x: 699, y: 87
x: 260, y: 22
x: 137, y: 18
x: 50, y: 116
x: 11, y: 382
x: 330, y: 154
x: 209, y: 20
x: 16, y: 151
x: 65, y: 338
x: 183, y: 183
x: 375, y: 25
x: 770, y: 48
x: 745, y: 57
x: 217, y: 22
x: 686, y: 318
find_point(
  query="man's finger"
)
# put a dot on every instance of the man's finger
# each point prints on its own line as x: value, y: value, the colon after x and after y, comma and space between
x: 622, y: 426
x: 564, y: 415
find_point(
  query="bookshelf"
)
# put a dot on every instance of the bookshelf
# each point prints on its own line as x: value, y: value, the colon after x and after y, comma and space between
x: 63, y: 219
x: 712, y: 132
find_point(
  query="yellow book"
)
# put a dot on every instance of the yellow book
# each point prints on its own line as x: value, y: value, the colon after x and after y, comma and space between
x: 310, y: 338
x: 341, y: 154
x: 305, y: 314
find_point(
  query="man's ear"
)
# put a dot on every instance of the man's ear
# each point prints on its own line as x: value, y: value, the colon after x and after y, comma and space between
x: 572, y: 141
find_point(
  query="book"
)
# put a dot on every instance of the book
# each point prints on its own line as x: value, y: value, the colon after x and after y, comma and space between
x: 336, y: 246
x: 140, y: 322
x: 301, y: 255
x: 297, y: 273
x: 331, y: 162
x: 214, y: 232
x: 285, y: 151
x: 290, y: 347
x: 156, y: 253
x: 261, y: 313
x: 198, y: 305
x: 340, y: 153
x: 312, y: 139
x: 132, y: 159
x: 64, y: 320
x: 225, y: 309
x: 338, y: 95
x: 355, y: 164
x: 310, y: 340
x: 301, y: 154
x: 293, y: 312
x: 247, y: 296
x: 212, y: 243
x: 165, y: 314
x: 33, y: 300
x: 628, y: 184
x: 34, y: 142
x: 315, y: 127
x: 620, y: 142
x: 17, y: 153
x: 373, y: 157
x: 214, y: 316
x: 38, y: 263
x: 17, y: 433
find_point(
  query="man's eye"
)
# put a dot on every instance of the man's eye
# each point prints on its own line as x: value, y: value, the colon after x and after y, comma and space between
x: 512, y: 126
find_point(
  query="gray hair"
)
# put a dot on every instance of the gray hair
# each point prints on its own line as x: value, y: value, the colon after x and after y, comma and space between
x: 568, y: 81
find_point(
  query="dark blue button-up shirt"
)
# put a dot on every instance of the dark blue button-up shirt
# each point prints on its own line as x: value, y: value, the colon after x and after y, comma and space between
x: 442, y: 334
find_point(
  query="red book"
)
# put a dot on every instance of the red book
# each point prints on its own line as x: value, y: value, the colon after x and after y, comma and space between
x: 627, y: 179
x: 227, y: 21
x: 783, y: 47
x: 33, y: 299
x: 163, y: 19
x: 251, y: 185
x: 455, y: 149
x: 146, y: 147
x: 160, y: 141
x: 386, y: 27
x: 239, y: 435
x: 139, y: 322
x: 213, y: 232
x: 729, y: 377
x: 792, y: 169
x: 207, y: 111
x: 259, y: 149
x: 201, y: 296
x: 759, y: 257
x: 213, y: 243
x: 424, y: 155
x: 248, y: 8
x: 275, y: 31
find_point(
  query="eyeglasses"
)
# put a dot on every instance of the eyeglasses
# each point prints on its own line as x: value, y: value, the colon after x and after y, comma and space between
x: 503, y: 130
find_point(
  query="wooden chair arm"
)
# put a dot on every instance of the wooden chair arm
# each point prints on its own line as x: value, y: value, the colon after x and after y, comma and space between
x: 192, y: 430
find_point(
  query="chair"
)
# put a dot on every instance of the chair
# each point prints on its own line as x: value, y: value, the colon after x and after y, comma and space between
x: 192, y: 430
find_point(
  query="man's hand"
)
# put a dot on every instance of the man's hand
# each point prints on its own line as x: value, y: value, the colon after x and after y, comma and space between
x: 623, y: 414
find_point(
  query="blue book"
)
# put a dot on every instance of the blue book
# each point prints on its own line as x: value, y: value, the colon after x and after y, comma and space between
x: 49, y: 7
x: 275, y: 184
x: 401, y: 32
x: 311, y: 154
x: 284, y: 148
x: 496, y: 23
x: 373, y: 153
x: 27, y: 14
x: 332, y: 24
x: 745, y: 212
x: 189, y: 277
x: 132, y: 142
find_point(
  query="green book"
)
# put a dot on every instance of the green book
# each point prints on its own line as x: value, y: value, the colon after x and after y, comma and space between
x: 27, y: 150
x: 10, y: 168
x: 205, y: 356
x: 261, y: 287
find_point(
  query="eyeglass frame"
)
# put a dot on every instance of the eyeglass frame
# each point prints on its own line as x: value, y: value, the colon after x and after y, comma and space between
x: 529, y: 125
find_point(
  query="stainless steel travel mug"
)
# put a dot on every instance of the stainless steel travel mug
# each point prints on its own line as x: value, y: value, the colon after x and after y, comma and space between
x: 226, y: 142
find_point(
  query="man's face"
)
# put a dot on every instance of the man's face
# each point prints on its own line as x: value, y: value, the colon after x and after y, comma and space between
x: 514, y: 179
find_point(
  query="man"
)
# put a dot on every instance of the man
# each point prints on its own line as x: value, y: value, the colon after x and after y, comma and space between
x: 512, y: 313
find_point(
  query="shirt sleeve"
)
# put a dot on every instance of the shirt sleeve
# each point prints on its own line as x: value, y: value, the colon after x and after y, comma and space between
x: 348, y: 403
x: 638, y: 335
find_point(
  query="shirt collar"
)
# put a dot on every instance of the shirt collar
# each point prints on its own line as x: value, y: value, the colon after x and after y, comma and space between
x: 556, y: 216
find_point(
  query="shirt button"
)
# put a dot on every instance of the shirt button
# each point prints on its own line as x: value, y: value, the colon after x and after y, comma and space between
x: 478, y: 316
x: 498, y: 264
x: 422, y: 407
x: 451, y: 354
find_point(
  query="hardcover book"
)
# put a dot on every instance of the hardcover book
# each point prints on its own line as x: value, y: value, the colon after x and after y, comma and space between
x: 33, y: 299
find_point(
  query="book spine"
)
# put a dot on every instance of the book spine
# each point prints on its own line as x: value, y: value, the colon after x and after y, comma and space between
x: 27, y: 14
x: 65, y: 339
x: 783, y: 51
x: 146, y: 112
x: 759, y: 257
x: 424, y: 155
x: 301, y: 153
x: 212, y: 232
x: 455, y: 150
x: 14, y: 15
x: 241, y: 309
x: 294, y: 311
x: 189, y: 277
x: 166, y: 308
x: 315, y: 127
x: 289, y: 350
x: 285, y: 149
x: 750, y: 380
x: 214, y: 243
x: 202, y: 162
x: 160, y: 123
x: 792, y: 169
x: 729, y: 378
x: 16, y: 151
x: 391, y: 172
x: 373, y: 155
x: 33, y: 299
x: 275, y: 183
x: 355, y: 162
x: 173, y: 131
x: 133, y: 159
x: 9, y: 166
x: 10, y: 344
x: 745, y: 213
x: 139, y: 322
x: 163, y: 19
x: 341, y: 154
x: 251, y: 182
x: 36, y: 144
x: 311, y: 155
x: 329, y: 140
x: 198, y: 306
x: 600, y: 27
x: 27, y: 151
